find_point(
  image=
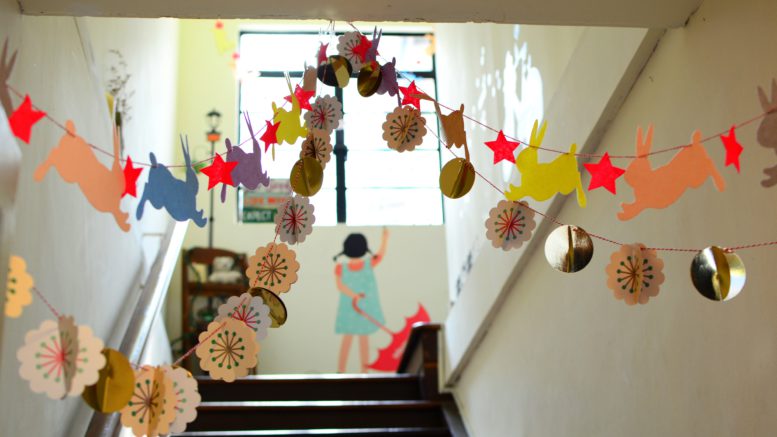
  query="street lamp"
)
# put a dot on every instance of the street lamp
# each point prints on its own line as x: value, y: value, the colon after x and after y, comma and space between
x: 213, y: 136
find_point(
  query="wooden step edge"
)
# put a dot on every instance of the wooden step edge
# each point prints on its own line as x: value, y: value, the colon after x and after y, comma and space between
x: 321, y: 431
x: 316, y: 405
x: 306, y: 378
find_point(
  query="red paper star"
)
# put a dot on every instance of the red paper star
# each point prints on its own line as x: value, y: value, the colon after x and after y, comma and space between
x: 270, y: 135
x: 219, y: 172
x: 408, y: 95
x: 322, y: 53
x: 131, y: 175
x: 361, y: 49
x: 603, y: 174
x: 503, y: 149
x: 23, y: 118
x: 733, y: 148
x: 303, y: 97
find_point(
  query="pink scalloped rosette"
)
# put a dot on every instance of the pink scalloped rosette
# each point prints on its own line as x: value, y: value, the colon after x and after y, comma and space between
x: 635, y: 273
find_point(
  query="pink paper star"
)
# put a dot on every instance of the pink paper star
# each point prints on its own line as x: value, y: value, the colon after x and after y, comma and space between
x: 270, y: 135
x: 303, y: 97
x: 733, y: 148
x: 408, y: 95
x: 219, y: 171
x: 603, y: 174
x: 502, y: 148
x: 23, y: 118
x: 361, y: 49
x: 131, y: 175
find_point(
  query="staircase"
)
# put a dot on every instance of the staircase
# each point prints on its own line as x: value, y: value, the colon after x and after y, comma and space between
x: 407, y: 403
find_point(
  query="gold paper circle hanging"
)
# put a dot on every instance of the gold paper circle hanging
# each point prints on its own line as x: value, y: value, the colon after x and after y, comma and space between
x: 335, y: 72
x: 718, y: 274
x: 113, y: 389
x: 457, y: 178
x: 569, y: 249
x: 278, y: 312
x: 306, y: 177
x: 369, y: 80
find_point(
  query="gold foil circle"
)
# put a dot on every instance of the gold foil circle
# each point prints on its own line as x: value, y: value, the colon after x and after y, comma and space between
x: 569, y: 249
x: 456, y: 178
x: 335, y: 72
x: 278, y: 312
x: 113, y: 389
x: 306, y: 177
x: 718, y: 274
x: 369, y: 80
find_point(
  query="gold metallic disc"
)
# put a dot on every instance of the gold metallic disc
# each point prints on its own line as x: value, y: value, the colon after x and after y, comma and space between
x: 278, y: 312
x: 569, y: 249
x: 306, y: 177
x: 718, y: 274
x: 335, y: 72
x: 114, y: 387
x: 369, y: 80
x: 456, y: 178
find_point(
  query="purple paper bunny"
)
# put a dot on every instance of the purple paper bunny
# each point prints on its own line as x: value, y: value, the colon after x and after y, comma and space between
x: 248, y: 170
x: 389, y: 82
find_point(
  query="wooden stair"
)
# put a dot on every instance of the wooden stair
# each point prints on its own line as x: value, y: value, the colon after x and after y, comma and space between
x: 407, y: 403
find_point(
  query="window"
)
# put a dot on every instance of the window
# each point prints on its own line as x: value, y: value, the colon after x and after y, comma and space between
x: 365, y: 182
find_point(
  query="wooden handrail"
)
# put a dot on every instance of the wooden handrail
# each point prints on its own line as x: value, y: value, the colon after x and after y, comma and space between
x: 147, y: 309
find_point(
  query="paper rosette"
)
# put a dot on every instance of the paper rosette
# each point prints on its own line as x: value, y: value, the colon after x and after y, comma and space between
x: 345, y: 45
x: 187, y: 397
x: 228, y: 349
x: 510, y: 224
x: 404, y: 129
x: 294, y: 220
x: 250, y: 310
x: 60, y: 358
x: 325, y: 114
x: 151, y: 409
x: 317, y: 146
x: 17, y: 292
x: 635, y: 273
x: 273, y: 267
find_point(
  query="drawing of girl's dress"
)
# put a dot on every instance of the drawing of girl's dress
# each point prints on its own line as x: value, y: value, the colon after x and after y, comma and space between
x: 359, y: 281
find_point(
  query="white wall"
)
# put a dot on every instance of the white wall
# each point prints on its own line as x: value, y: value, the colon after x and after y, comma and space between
x: 80, y: 259
x: 563, y: 357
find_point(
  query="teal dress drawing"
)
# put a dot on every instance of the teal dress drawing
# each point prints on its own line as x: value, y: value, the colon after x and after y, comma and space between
x: 360, y: 281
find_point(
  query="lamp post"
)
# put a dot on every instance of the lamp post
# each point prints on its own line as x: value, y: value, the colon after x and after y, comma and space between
x: 213, y: 135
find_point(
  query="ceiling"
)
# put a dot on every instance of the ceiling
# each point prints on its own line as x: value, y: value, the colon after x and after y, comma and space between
x: 629, y: 13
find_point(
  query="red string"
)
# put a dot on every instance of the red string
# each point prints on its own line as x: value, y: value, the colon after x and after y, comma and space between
x: 45, y: 301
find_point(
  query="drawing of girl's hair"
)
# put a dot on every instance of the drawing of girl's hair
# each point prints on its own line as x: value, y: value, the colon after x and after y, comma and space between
x: 354, y: 246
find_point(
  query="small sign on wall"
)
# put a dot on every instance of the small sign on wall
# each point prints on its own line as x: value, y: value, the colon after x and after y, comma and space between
x: 261, y: 205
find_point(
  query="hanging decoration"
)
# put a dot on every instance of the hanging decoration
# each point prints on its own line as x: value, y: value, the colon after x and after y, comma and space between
x: 131, y: 175
x: 326, y: 114
x: 767, y: 130
x: 603, y: 174
x: 18, y: 286
x: 115, y: 384
x: 718, y: 273
x: 248, y: 170
x: 291, y: 128
x: 187, y: 397
x: 369, y: 79
x: 404, y: 129
x: 542, y: 181
x: 388, y: 83
x: 569, y: 249
x: 456, y: 178
x: 270, y: 135
x: 411, y: 95
x: 353, y: 47
x: 317, y: 146
x: 733, y: 148
x: 502, y: 148
x: 295, y: 220
x: 635, y: 273
x: 23, y: 119
x: 165, y: 191
x: 60, y: 358
x: 228, y: 349
x: 278, y: 313
x: 76, y: 163
x: 302, y: 95
x: 151, y: 409
x: 219, y: 172
x: 250, y: 310
x: 661, y: 187
x: 372, y: 50
x: 509, y: 224
x: 335, y: 71
x: 307, y: 176
x: 273, y: 267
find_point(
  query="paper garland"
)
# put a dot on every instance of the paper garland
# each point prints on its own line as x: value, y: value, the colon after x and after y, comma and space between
x: 187, y: 397
x: 404, y: 129
x: 151, y: 409
x: 60, y: 358
x: 115, y: 385
x: 273, y: 267
x: 510, y: 224
x: 635, y: 273
x: 318, y: 146
x: 228, y: 349
x: 767, y: 130
x: 290, y: 127
x: 250, y: 310
x: 326, y: 114
x: 294, y: 220
x: 346, y: 45
x: 19, y: 284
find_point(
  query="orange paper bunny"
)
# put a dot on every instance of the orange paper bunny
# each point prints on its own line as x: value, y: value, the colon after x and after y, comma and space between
x: 661, y: 187
x: 76, y: 163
